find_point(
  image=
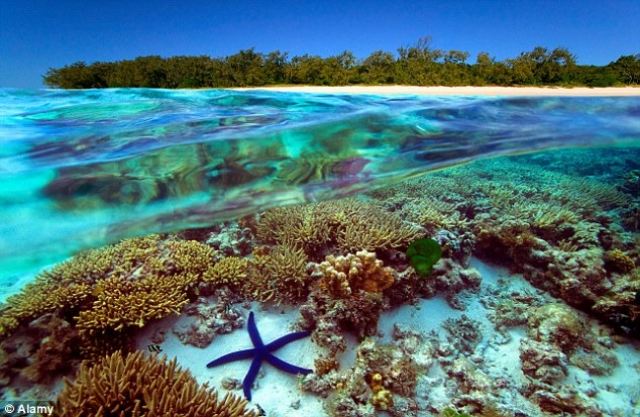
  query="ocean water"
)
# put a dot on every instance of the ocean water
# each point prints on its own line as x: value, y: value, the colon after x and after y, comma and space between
x: 535, y: 200
x: 81, y: 169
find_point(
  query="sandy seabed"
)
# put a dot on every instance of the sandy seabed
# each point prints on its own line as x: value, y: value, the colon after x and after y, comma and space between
x: 466, y: 90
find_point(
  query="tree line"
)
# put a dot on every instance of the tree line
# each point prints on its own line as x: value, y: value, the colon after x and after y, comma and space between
x: 419, y: 64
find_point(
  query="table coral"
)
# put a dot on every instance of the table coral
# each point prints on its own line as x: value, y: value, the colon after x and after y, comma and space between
x: 137, y: 385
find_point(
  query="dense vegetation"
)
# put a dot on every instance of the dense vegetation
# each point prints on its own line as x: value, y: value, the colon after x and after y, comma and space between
x: 419, y: 64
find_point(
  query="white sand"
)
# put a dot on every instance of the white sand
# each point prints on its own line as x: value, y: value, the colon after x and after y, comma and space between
x: 448, y: 91
x: 277, y: 391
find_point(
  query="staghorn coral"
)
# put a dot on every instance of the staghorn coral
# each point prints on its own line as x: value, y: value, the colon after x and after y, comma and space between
x: 347, y: 224
x: 375, y: 229
x: 279, y: 276
x: 232, y: 271
x: 120, y: 303
x: 140, y: 386
x: 434, y: 215
x: 342, y: 275
x: 298, y: 225
x: 78, y: 284
x: 40, y: 298
x: 103, y: 294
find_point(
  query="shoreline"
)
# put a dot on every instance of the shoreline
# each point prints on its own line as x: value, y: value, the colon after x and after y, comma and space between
x: 453, y: 91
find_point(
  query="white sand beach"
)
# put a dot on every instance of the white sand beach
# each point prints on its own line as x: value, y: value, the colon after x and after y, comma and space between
x: 466, y: 90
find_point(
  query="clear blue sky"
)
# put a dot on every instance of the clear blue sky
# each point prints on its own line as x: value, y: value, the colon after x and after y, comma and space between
x: 38, y: 34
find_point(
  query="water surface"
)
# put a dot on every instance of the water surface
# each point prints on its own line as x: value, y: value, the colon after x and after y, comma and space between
x: 80, y: 169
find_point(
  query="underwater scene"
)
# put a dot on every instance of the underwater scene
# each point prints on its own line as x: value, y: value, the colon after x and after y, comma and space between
x: 207, y: 253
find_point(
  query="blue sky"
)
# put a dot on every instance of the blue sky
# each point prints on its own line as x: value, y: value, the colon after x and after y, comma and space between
x: 38, y: 34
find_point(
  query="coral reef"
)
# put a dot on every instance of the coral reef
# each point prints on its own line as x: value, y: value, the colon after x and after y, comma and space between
x: 104, y: 293
x: 348, y: 225
x: 346, y: 295
x: 341, y: 276
x: 136, y: 385
x: 464, y: 334
x: 231, y: 271
x: 383, y: 378
x: 280, y: 276
x: 617, y: 261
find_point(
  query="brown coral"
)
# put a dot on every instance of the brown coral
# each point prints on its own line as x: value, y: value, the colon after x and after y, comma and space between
x: 140, y: 386
x: 341, y: 275
x: 618, y: 261
x: 382, y: 399
x: 348, y: 224
x: 139, y: 279
x: 232, y: 271
x: 279, y: 275
x: 120, y: 303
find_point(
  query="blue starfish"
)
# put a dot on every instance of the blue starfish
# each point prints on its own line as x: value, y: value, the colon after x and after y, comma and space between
x: 260, y: 353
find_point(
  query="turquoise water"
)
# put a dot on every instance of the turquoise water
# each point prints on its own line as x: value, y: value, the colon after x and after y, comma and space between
x: 80, y: 169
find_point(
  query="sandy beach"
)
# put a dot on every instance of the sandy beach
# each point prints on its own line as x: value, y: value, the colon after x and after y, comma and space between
x: 466, y: 90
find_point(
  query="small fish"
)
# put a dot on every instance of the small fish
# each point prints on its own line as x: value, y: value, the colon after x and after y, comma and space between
x: 154, y: 348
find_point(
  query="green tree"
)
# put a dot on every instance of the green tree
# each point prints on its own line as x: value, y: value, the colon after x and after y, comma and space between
x: 378, y: 68
x: 628, y: 68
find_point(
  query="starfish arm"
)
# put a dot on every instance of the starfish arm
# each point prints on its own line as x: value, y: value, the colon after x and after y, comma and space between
x: 253, y: 332
x: 280, y: 342
x: 286, y: 366
x: 232, y: 357
x: 251, y: 376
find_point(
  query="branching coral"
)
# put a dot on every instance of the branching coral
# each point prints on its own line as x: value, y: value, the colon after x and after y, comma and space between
x: 376, y: 229
x: 39, y: 298
x: 620, y: 305
x: 138, y: 279
x: 279, y: 276
x: 120, y: 303
x: 103, y: 293
x: 232, y: 271
x: 434, y: 215
x: 348, y: 224
x: 140, y: 386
